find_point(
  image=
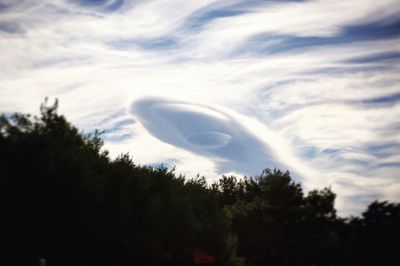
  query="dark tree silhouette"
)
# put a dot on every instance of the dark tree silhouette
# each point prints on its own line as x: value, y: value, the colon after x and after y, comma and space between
x: 63, y: 200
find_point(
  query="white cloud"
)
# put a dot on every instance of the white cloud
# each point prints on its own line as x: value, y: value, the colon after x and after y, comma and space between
x: 313, y: 101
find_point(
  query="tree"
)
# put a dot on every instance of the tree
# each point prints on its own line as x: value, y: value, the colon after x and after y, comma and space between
x: 63, y: 199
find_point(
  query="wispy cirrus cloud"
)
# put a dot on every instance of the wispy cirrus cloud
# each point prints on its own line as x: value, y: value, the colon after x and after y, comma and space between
x: 311, y: 86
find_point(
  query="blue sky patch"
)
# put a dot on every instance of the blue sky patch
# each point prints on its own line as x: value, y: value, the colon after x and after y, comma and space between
x: 10, y: 27
x: 387, y: 99
x: 382, y: 57
x: 285, y: 43
x: 205, y: 15
x: 161, y: 43
x: 104, y: 5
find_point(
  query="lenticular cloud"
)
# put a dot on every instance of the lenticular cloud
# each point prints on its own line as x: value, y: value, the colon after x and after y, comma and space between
x: 205, y: 131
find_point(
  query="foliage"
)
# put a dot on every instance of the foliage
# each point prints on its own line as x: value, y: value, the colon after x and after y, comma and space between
x: 63, y: 199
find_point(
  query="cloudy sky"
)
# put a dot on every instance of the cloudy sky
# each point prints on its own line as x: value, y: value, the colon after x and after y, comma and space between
x: 216, y: 87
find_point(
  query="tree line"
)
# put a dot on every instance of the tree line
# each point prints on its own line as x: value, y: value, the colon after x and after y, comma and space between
x: 65, y: 202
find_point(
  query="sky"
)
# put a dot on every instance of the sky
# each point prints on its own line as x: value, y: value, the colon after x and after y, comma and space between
x: 221, y: 87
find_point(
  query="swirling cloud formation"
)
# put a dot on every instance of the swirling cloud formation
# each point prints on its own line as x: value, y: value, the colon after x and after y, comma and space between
x: 206, y: 131
x: 309, y: 86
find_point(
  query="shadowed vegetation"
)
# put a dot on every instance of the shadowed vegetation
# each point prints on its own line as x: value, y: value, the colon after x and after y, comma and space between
x: 63, y: 200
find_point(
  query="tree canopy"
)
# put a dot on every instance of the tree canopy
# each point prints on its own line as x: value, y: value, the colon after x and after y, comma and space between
x: 64, y: 201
